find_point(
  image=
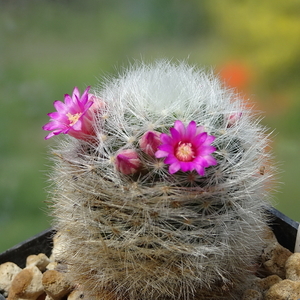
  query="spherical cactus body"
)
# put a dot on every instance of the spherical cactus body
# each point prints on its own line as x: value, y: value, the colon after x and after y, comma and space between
x: 163, y: 196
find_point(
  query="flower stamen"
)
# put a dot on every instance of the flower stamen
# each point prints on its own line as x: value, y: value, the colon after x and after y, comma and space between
x: 185, y: 152
x: 73, y: 118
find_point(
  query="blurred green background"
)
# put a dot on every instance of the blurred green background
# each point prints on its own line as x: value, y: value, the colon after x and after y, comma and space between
x: 47, y: 47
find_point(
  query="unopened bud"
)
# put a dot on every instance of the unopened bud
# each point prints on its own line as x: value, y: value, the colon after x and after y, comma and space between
x: 233, y: 119
x: 127, y: 161
x: 150, y: 141
x: 99, y: 104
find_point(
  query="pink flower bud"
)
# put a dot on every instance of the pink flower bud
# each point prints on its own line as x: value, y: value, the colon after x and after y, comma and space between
x: 150, y: 141
x: 233, y: 119
x: 99, y: 105
x: 127, y: 161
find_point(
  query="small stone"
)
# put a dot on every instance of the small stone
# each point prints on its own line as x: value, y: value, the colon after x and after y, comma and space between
x: 41, y: 261
x: 263, y: 284
x: 284, y: 290
x: 55, y: 284
x: 269, y: 235
x: 292, y: 267
x: 27, y: 284
x: 252, y: 295
x: 50, y: 298
x: 274, y: 258
x: 76, y: 295
x: 52, y: 265
x: 8, y: 271
x: 58, y: 247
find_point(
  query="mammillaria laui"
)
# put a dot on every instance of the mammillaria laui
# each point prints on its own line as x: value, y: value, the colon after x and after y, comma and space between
x: 163, y: 198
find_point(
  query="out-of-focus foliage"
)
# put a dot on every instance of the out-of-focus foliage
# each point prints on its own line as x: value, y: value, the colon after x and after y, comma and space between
x: 265, y: 34
x: 49, y: 46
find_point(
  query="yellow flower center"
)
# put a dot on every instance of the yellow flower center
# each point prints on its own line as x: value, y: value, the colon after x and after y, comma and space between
x: 73, y: 118
x: 185, y: 152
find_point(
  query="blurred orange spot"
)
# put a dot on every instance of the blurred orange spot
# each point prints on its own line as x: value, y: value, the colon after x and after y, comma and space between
x: 235, y: 74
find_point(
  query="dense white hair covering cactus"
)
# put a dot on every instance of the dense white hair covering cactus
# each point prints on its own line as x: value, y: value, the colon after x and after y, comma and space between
x: 152, y: 234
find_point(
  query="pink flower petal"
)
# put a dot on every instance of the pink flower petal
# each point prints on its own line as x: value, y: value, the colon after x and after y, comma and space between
x: 170, y: 159
x: 60, y: 106
x: 58, y: 116
x: 206, y: 150
x: 173, y: 168
x: 88, y: 105
x: 166, y: 148
x: 210, y: 139
x: 78, y: 104
x: 68, y: 100
x: 200, y: 129
x: 85, y: 97
x: 165, y: 138
x: 201, y: 161
x: 160, y: 153
x: 191, y: 130
x: 51, y: 134
x: 186, y: 166
x: 211, y: 160
x: 179, y: 126
x: 200, y: 139
x: 176, y: 135
x: 76, y: 93
x: 200, y: 170
x: 52, y: 125
x: 78, y: 125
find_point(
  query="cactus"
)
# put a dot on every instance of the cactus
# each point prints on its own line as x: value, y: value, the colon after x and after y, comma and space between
x: 163, y: 194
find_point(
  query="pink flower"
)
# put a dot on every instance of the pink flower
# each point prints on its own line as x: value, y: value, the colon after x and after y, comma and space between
x: 72, y: 117
x: 187, y: 148
x: 127, y: 161
x: 150, y: 141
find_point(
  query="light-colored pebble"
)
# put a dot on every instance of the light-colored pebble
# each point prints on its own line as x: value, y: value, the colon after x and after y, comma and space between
x: 27, y: 284
x: 292, y: 267
x: 284, y: 290
x: 263, y: 284
x: 55, y: 284
x: 8, y: 271
x: 252, y: 295
x: 269, y: 236
x: 76, y: 295
x: 58, y: 247
x: 52, y: 265
x: 274, y: 259
x: 41, y: 261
